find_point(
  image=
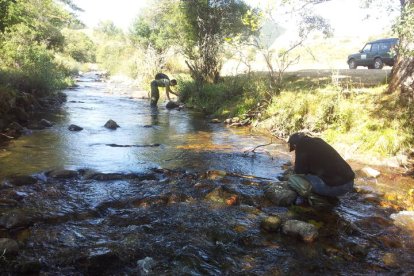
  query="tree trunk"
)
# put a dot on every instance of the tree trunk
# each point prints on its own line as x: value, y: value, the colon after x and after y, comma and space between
x: 402, y: 74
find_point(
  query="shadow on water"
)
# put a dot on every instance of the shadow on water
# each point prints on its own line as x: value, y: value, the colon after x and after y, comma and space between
x: 168, y: 193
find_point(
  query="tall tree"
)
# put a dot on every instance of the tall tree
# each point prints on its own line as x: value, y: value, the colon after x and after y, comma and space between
x: 206, y: 25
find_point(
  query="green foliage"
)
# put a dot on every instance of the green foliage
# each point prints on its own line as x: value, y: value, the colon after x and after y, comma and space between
x: 155, y: 27
x: 233, y: 96
x: 203, y: 29
x: 30, y: 35
x: 79, y: 46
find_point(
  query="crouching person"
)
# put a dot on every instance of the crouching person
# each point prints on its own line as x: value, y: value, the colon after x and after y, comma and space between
x: 321, y: 174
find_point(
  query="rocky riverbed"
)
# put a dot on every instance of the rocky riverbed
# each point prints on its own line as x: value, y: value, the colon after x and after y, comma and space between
x: 74, y: 222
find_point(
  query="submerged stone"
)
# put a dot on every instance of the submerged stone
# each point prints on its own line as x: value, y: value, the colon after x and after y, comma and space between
x: 306, y: 231
x: 271, y: 223
x: 62, y: 173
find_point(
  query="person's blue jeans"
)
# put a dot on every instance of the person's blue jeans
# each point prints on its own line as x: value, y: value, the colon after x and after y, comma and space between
x: 320, y: 187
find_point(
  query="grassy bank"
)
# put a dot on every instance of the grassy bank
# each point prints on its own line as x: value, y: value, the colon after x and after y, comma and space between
x: 365, y: 121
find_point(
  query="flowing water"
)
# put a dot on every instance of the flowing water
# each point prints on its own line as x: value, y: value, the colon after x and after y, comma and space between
x: 169, y: 193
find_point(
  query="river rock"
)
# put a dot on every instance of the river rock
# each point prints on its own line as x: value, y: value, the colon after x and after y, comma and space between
x: 62, y: 174
x: 146, y: 265
x: 111, y: 124
x: 171, y: 105
x: 280, y: 194
x: 221, y: 196
x: 8, y: 247
x: 308, y: 232
x: 6, y: 202
x: 15, y: 219
x: 45, y: 123
x: 271, y: 223
x: 75, y: 128
x: 22, y: 180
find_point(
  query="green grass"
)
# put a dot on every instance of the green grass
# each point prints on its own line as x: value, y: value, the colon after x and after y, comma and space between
x: 365, y: 119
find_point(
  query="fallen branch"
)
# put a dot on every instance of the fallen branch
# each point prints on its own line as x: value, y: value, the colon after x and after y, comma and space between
x: 255, y: 148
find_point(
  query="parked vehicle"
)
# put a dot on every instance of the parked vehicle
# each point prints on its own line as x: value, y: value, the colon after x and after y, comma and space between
x: 374, y: 54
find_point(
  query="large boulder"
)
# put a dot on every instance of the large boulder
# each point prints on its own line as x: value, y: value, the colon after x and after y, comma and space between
x: 306, y: 231
x: 111, y: 124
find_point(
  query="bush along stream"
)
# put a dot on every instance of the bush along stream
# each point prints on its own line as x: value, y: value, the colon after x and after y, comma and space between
x: 168, y: 192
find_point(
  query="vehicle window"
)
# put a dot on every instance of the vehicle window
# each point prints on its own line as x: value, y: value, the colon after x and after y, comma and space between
x: 375, y: 47
x: 384, y: 47
x: 367, y: 48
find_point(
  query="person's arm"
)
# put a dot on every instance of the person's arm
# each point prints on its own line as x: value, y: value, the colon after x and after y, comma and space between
x: 168, y: 91
x: 301, y: 166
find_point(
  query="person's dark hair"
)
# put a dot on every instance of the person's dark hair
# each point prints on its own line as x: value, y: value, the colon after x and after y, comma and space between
x: 173, y: 82
x: 294, y: 140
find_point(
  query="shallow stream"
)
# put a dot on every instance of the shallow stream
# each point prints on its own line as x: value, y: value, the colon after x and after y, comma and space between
x: 169, y: 193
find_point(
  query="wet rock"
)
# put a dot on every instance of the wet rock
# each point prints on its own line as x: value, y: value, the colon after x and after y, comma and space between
x: 172, y: 105
x: 8, y: 247
x: 64, y: 174
x: 215, y: 174
x: 22, y: 180
x: 304, y: 230
x: 15, y: 219
x: 5, y: 202
x: 45, y: 123
x: 30, y: 267
x: 221, y: 196
x: 12, y: 194
x: 280, y: 194
x: 75, y: 128
x: 99, y: 261
x: 271, y: 223
x: 111, y: 124
x: 370, y: 172
x: 146, y: 265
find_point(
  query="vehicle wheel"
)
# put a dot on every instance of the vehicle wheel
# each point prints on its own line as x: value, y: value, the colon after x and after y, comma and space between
x: 378, y: 64
x: 352, y: 64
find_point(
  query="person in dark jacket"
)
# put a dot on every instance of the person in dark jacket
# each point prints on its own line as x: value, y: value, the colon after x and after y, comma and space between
x: 319, y: 169
x: 161, y: 80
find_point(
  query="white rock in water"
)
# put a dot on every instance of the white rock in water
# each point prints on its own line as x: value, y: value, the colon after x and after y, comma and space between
x: 370, y: 172
x: 404, y: 219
